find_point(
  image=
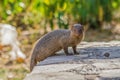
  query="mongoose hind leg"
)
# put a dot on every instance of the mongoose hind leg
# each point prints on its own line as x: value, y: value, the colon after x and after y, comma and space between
x: 66, y: 51
x: 74, y: 50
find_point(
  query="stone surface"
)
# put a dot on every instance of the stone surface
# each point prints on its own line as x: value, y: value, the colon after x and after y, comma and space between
x: 91, y: 64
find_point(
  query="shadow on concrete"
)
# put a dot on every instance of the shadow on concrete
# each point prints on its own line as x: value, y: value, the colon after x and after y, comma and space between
x: 86, y: 55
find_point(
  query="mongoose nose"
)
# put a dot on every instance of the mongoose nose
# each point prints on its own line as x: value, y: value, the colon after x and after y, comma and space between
x: 80, y: 31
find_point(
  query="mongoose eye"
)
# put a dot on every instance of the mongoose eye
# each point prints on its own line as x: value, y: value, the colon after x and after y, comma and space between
x: 74, y: 30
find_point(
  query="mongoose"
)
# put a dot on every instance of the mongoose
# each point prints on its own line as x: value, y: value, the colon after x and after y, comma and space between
x: 55, y: 41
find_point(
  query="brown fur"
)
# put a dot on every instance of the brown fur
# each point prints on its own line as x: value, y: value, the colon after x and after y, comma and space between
x: 55, y: 41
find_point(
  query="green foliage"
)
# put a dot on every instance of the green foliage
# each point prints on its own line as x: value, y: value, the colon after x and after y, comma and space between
x: 17, y: 74
x: 48, y: 13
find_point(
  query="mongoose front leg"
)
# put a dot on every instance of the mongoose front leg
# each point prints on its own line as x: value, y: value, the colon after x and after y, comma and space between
x: 74, y: 50
x: 66, y: 51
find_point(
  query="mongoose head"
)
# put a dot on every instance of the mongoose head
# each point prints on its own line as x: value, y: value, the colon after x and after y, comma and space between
x: 77, y: 29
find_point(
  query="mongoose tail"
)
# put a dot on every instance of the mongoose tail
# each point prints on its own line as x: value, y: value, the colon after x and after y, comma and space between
x: 32, y: 63
x: 33, y: 60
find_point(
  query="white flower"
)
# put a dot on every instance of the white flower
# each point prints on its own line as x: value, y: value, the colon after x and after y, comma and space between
x: 8, y: 12
x: 21, y: 4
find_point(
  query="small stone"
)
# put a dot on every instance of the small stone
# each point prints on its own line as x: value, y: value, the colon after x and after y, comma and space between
x: 107, y: 54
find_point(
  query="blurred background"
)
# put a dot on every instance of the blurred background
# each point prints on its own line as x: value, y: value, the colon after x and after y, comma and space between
x: 34, y: 18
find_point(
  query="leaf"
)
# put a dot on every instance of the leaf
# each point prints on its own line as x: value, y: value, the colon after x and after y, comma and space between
x: 100, y: 13
x: 47, y: 2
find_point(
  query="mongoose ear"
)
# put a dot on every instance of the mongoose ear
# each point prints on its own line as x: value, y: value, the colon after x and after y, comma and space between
x: 71, y: 28
x: 82, y: 25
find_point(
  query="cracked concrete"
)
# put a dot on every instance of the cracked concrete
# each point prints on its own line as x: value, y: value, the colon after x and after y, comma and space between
x: 91, y: 64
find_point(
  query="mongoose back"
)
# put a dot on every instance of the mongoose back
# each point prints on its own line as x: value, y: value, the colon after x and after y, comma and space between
x: 55, y: 41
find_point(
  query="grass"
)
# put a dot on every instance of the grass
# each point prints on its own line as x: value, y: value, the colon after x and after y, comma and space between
x: 99, y: 35
x: 16, y: 72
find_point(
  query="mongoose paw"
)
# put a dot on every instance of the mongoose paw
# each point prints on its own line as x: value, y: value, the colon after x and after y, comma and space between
x: 77, y: 53
x: 69, y: 54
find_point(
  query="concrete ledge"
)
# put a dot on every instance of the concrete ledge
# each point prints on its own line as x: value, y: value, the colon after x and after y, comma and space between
x: 92, y: 63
